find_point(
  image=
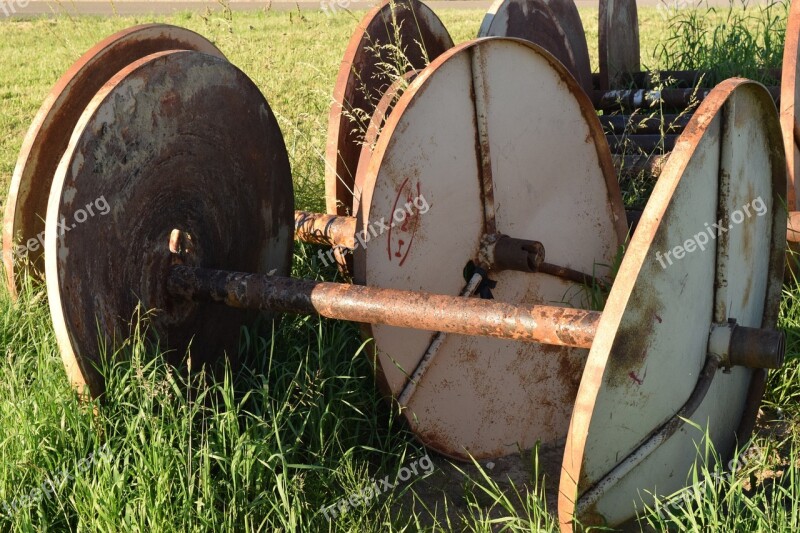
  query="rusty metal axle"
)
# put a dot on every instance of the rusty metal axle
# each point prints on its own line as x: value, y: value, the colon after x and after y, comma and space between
x: 557, y: 326
x: 561, y: 326
x: 499, y: 252
x: 329, y: 230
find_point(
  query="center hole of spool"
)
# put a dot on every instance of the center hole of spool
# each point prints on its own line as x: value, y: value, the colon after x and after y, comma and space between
x: 180, y: 246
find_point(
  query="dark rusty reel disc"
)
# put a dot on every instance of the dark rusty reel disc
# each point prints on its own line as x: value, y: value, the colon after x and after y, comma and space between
x: 177, y: 140
x: 618, y: 43
x: 407, y: 26
x: 555, y: 25
x: 49, y: 134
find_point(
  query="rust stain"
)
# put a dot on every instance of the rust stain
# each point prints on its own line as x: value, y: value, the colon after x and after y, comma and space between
x: 630, y: 345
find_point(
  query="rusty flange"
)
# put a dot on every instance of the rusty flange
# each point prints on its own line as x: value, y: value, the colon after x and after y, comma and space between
x: 618, y: 40
x: 379, y: 117
x: 432, y: 192
x: 182, y: 140
x: 790, y: 95
x: 48, y: 136
x: 709, y: 248
x: 552, y: 24
x: 393, y: 38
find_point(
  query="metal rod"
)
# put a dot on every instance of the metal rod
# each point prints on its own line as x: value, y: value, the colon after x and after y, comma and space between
x: 433, y: 348
x: 591, y: 496
x: 571, y: 275
x: 516, y: 254
x: 480, y: 99
x: 329, y: 230
x: 560, y: 326
x: 688, y: 78
x: 509, y: 253
x: 671, y: 98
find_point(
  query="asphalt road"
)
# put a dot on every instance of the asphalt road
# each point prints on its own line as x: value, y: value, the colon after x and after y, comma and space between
x: 22, y: 8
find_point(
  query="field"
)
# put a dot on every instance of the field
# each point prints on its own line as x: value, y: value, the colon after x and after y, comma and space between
x: 301, y: 425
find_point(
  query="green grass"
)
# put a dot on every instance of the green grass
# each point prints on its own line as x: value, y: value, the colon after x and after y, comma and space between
x: 737, y: 41
x: 301, y: 424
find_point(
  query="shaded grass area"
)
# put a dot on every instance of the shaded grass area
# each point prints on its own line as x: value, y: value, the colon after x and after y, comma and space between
x: 301, y: 425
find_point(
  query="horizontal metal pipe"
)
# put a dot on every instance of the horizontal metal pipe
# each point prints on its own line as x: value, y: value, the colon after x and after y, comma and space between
x: 619, y: 124
x: 517, y: 254
x: 640, y: 98
x: 330, y: 230
x: 757, y: 348
x: 684, y: 78
x: 561, y: 326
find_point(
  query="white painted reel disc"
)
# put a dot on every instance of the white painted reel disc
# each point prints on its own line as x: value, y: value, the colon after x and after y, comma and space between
x: 727, y: 168
x: 551, y: 179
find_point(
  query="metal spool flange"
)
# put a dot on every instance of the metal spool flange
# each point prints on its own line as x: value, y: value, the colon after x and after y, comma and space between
x: 653, y: 337
x: 49, y: 134
x: 618, y: 40
x: 555, y: 25
x: 486, y: 136
x: 790, y: 94
x: 403, y: 33
x: 177, y: 140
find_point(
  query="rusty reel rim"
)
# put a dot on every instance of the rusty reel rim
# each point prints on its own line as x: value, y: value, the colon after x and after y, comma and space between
x: 790, y: 93
x: 131, y: 256
x: 637, y: 253
x: 572, y: 51
x: 342, y: 151
x: 419, y: 86
x: 48, y: 135
x: 376, y: 123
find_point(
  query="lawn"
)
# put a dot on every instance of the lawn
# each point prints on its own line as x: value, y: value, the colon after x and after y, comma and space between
x: 301, y: 426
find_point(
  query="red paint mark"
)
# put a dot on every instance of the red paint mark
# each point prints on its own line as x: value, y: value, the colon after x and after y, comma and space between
x: 401, y: 236
x: 636, y: 378
x: 657, y: 318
